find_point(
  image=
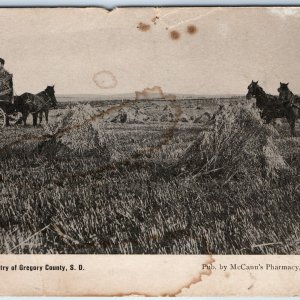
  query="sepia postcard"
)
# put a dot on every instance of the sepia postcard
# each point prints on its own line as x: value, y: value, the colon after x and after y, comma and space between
x: 150, y: 151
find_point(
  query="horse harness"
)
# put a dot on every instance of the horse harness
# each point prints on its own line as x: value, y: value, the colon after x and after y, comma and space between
x: 290, y: 101
x: 30, y: 101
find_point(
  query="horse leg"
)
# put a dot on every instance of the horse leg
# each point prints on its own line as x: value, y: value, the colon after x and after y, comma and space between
x: 7, y: 121
x: 46, y: 115
x: 268, y: 120
x: 34, y: 116
x: 293, y: 132
x: 40, y: 117
x: 265, y: 117
x: 292, y: 122
x: 24, y: 118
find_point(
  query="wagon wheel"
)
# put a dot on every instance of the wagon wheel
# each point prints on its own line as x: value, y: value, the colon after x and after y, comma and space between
x: 2, y: 118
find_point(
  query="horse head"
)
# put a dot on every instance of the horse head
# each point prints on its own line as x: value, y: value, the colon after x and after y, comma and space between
x: 252, y: 90
x: 284, y: 92
x: 51, y: 94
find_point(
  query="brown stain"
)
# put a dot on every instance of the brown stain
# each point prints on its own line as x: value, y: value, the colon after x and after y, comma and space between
x: 169, y: 133
x: 105, y: 79
x: 154, y: 20
x: 166, y: 136
x: 191, y: 29
x: 148, y: 92
x: 31, y: 137
x: 139, y: 96
x: 196, y: 279
x: 227, y: 274
x: 143, y: 26
x: 175, y: 35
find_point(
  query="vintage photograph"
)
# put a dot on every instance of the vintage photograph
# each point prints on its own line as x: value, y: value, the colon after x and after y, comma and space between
x: 150, y: 131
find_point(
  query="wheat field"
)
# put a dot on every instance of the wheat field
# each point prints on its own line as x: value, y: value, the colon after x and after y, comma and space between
x: 173, y: 178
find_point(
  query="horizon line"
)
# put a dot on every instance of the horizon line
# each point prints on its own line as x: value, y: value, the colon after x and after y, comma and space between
x: 112, y: 95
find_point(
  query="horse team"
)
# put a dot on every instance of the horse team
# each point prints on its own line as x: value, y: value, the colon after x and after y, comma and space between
x: 286, y: 105
x: 36, y: 104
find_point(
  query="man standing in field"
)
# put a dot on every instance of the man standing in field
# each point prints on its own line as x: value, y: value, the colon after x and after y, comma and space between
x: 6, y: 83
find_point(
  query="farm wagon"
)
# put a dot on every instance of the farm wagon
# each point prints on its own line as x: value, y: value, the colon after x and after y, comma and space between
x: 7, y: 113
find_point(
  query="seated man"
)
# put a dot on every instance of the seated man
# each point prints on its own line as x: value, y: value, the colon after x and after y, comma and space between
x: 6, y: 91
x: 6, y: 83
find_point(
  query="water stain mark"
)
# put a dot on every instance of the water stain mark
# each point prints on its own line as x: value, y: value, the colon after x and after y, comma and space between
x: 191, y: 29
x: 143, y: 27
x: 155, y: 19
x: 175, y: 35
x: 105, y: 80
x: 61, y: 132
x: 143, y: 96
x: 196, y: 279
x: 172, y: 293
x: 149, y: 92
x: 168, y: 134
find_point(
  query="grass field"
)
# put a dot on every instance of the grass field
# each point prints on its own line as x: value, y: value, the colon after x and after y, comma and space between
x: 153, y: 187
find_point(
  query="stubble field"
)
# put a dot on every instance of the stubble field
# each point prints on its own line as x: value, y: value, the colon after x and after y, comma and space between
x: 170, y: 179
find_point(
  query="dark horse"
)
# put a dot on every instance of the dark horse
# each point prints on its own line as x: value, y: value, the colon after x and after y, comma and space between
x: 291, y: 103
x: 35, y: 104
x: 271, y: 107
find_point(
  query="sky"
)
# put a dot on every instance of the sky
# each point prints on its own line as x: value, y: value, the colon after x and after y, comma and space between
x: 91, y: 50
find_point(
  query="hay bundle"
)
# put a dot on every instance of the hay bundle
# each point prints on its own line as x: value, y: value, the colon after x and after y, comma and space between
x: 184, y: 118
x: 121, y: 117
x: 239, y: 147
x: 203, y: 118
x: 76, y: 132
x: 142, y: 116
x: 166, y: 114
x: 131, y: 114
x: 198, y: 119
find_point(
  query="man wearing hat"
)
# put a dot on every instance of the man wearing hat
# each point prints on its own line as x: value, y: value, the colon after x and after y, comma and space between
x: 6, y: 83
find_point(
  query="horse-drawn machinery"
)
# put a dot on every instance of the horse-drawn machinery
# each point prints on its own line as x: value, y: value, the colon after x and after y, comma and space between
x: 8, y: 114
x: 17, y: 108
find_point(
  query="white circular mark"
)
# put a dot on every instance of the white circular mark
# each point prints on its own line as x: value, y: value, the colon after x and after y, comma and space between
x: 105, y: 79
